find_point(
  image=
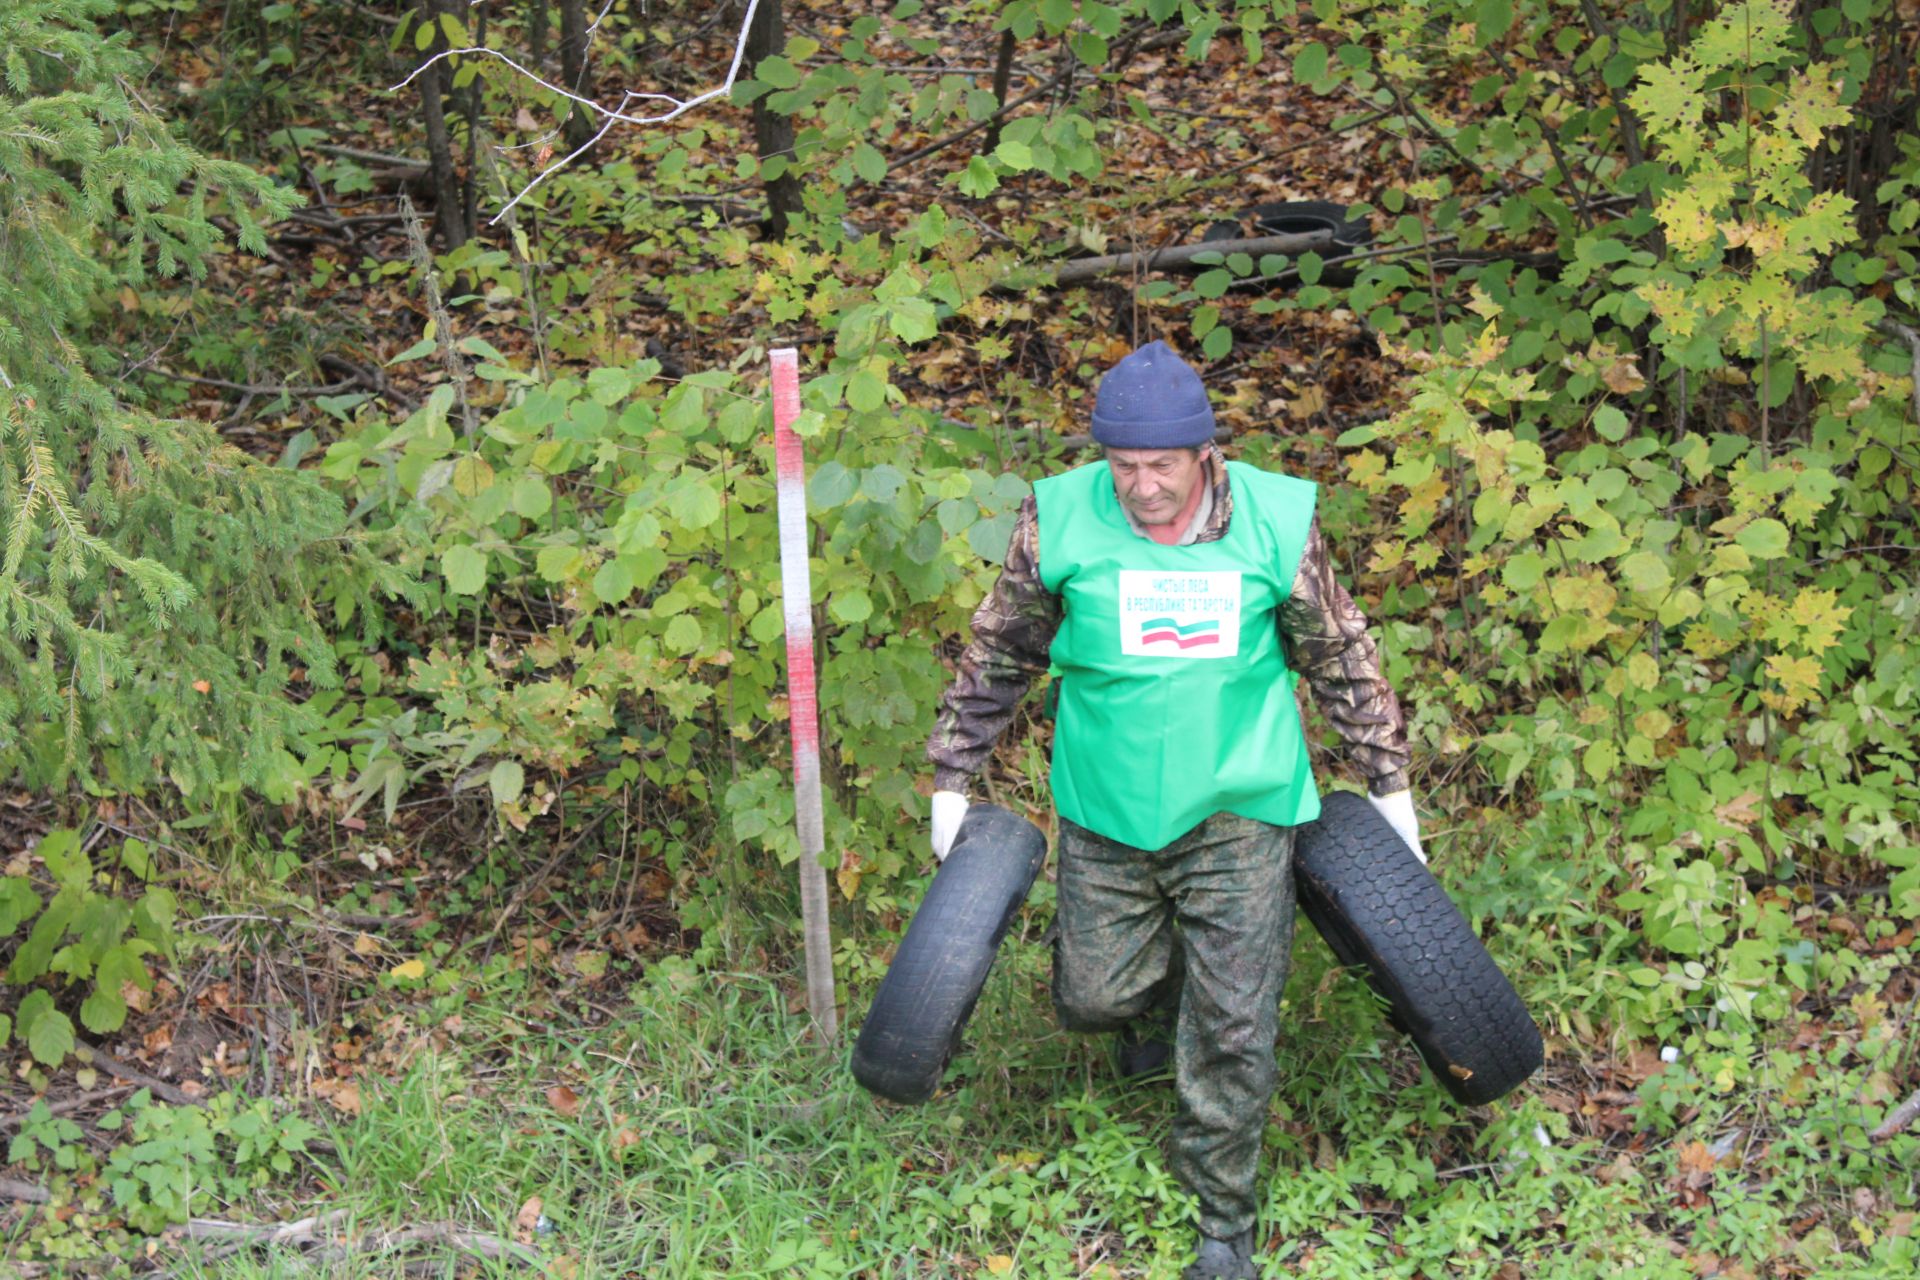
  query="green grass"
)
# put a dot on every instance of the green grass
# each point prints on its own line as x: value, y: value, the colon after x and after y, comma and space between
x: 712, y: 1139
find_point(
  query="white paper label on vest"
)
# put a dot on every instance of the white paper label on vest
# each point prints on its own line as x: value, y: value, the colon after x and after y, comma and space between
x: 1180, y: 614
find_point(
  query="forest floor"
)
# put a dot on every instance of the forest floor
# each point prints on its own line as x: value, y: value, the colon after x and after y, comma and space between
x: 483, y: 1056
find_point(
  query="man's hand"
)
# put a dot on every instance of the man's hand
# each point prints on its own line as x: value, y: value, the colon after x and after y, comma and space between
x: 949, y: 807
x: 1397, y: 809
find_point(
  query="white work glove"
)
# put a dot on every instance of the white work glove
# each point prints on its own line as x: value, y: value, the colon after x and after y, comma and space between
x: 949, y: 807
x: 1397, y: 809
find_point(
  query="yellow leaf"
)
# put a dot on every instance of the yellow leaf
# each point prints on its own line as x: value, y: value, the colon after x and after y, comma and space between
x: 412, y: 970
x: 1644, y: 672
x: 1820, y: 616
x: 1366, y: 469
x: 472, y: 475
x: 1000, y: 1264
x: 1799, y: 678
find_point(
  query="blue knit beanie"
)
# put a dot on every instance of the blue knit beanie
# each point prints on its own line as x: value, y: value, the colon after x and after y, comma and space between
x: 1152, y: 399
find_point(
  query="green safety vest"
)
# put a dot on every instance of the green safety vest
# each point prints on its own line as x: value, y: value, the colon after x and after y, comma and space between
x: 1175, y: 698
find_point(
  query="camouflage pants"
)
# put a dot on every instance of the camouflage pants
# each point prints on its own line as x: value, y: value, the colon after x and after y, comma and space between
x: 1206, y: 921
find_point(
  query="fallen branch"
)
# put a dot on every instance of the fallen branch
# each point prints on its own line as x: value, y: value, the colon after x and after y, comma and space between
x: 114, y: 1067
x: 371, y: 157
x: 255, y: 388
x: 13, y: 1189
x: 1081, y: 270
x: 1902, y: 1116
x: 448, y: 1234
x: 319, y: 1241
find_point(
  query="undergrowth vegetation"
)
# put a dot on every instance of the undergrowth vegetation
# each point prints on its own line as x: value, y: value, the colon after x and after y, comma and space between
x: 392, y: 689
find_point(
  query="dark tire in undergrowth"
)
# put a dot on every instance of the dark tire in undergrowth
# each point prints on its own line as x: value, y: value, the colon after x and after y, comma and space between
x: 928, y: 993
x: 1298, y: 217
x: 1380, y: 910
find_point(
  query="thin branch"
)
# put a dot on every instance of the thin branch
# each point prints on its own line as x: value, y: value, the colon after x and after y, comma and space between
x: 616, y: 115
x: 258, y: 389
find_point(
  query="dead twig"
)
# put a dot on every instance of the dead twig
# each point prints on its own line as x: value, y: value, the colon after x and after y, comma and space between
x: 1901, y: 1116
x: 114, y: 1067
x: 13, y: 1189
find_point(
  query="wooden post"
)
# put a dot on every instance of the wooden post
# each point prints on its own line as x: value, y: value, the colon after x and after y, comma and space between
x: 803, y: 716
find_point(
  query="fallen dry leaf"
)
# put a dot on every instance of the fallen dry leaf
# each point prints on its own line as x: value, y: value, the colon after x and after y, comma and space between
x: 525, y: 1220
x: 564, y: 1100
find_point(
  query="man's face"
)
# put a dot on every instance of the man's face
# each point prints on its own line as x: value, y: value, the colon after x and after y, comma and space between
x: 1155, y: 484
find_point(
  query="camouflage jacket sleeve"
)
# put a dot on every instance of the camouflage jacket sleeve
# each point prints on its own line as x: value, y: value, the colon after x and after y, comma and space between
x: 1328, y: 644
x: 1012, y: 631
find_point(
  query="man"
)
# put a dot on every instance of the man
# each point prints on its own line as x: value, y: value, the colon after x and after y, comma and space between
x: 1170, y: 590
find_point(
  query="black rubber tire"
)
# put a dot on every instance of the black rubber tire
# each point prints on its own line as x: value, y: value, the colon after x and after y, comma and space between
x: 923, y: 1003
x: 1284, y: 217
x: 1381, y: 910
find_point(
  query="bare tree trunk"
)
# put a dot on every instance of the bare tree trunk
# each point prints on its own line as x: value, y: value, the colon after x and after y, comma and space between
x: 1002, y: 80
x: 449, y: 201
x: 773, y: 130
x: 573, y: 70
x: 470, y: 185
x: 537, y: 22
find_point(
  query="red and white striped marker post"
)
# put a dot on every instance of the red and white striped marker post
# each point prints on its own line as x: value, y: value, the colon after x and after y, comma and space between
x: 803, y: 713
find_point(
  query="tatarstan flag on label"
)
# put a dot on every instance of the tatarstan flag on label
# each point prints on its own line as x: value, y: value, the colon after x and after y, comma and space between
x: 1192, y: 634
x: 1184, y: 614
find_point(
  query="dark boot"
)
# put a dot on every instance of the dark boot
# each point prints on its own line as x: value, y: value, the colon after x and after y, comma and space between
x: 1223, y: 1259
x: 1144, y: 1047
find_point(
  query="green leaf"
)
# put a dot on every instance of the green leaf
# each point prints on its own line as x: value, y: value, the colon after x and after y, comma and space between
x: 531, y: 497
x: 1217, y: 343
x: 978, y: 178
x: 1211, y: 284
x: 683, y: 634
x: 134, y: 857
x: 866, y: 391
x: 1646, y: 572
x: 613, y: 582
x: 1310, y: 64
x: 18, y: 903
x: 1492, y: 19
x: 1764, y: 539
x: 557, y: 563
x: 1524, y: 571
x: 423, y: 347
x: 695, y: 504
x: 1610, y: 422
x: 102, y: 1012
x: 988, y: 538
x: 50, y: 1038
x: 506, y: 780
x: 851, y: 606
x: 609, y: 386
x: 778, y: 72
x: 1014, y: 155
x: 913, y: 320
x: 1600, y: 759
x: 465, y: 568
x: 869, y: 163
x: 830, y: 486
